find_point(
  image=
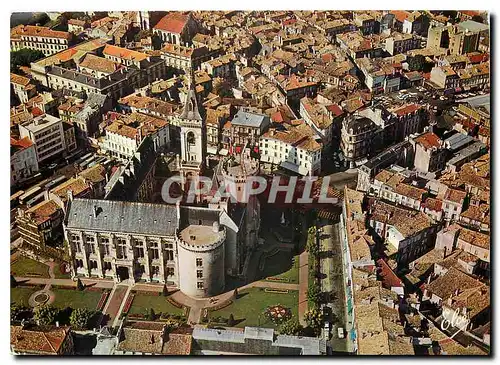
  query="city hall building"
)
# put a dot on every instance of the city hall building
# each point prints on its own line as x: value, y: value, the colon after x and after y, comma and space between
x: 192, y: 248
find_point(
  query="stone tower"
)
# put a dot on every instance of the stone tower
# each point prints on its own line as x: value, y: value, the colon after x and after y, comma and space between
x: 143, y: 20
x: 193, y: 143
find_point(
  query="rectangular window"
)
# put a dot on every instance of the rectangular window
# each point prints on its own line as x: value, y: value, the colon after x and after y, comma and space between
x: 199, y: 262
x: 199, y: 284
x: 199, y: 274
x: 140, y: 252
x: 170, y: 271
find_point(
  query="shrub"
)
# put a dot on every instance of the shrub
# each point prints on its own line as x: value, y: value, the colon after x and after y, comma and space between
x: 80, y: 285
x: 291, y: 327
x: 80, y: 318
x: 313, y: 295
x: 45, y: 314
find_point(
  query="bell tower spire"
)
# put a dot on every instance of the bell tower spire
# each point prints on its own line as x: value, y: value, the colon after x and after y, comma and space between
x: 193, y: 141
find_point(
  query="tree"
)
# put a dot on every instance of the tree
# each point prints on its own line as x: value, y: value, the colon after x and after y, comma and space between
x: 24, y: 57
x: 151, y: 315
x: 156, y: 41
x: 13, y: 282
x: 235, y: 293
x: 14, y: 311
x: 45, y: 314
x: 80, y: 318
x: 80, y: 285
x: 313, y: 295
x: 291, y: 327
x: 231, y: 321
x: 165, y: 291
x: 312, y: 246
x: 313, y: 318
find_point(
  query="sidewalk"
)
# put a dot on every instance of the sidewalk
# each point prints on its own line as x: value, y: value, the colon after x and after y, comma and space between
x: 105, y: 284
x: 303, y: 284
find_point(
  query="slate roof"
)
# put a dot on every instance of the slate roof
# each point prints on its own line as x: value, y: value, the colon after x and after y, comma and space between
x: 248, y: 119
x: 119, y: 216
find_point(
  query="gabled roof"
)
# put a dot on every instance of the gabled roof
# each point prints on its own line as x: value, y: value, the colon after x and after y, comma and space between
x: 174, y: 22
x: 43, y: 340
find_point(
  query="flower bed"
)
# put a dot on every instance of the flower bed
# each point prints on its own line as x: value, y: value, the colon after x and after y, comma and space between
x: 30, y: 286
x: 272, y: 278
x: 128, y: 303
x: 174, y: 303
x: 136, y: 316
x: 35, y: 274
x: 102, y: 301
x: 279, y: 291
x: 93, y: 288
x: 278, y: 313
x: 146, y: 292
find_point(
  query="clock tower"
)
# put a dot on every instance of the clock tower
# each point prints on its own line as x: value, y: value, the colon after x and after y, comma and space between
x: 193, y: 140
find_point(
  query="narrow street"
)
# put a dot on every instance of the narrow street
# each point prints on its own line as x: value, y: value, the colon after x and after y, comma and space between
x: 332, y: 280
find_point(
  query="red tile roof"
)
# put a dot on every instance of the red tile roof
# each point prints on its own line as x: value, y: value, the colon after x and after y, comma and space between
x: 173, y: 22
x: 433, y: 204
x: 335, y: 109
x: 428, y: 140
x: 406, y: 109
x: 38, y: 340
x: 477, y: 57
x: 21, y: 144
x: 400, y: 15
x: 389, y: 278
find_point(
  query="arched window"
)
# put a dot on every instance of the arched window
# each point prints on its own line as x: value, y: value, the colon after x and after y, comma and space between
x: 190, y: 138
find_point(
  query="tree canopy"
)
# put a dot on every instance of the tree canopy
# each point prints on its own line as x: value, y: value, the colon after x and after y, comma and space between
x: 24, y: 57
x: 80, y: 318
x: 45, y: 314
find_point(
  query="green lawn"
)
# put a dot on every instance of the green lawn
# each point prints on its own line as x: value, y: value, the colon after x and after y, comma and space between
x: 20, y: 296
x: 76, y: 299
x: 142, y: 304
x: 252, y: 303
x: 281, y: 266
x: 26, y: 267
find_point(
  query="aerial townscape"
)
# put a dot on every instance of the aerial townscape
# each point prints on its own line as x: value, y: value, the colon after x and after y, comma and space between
x: 250, y: 183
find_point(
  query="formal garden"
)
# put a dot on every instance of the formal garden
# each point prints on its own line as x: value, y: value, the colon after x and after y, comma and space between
x: 154, y: 306
x: 264, y: 307
x: 79, y: 306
